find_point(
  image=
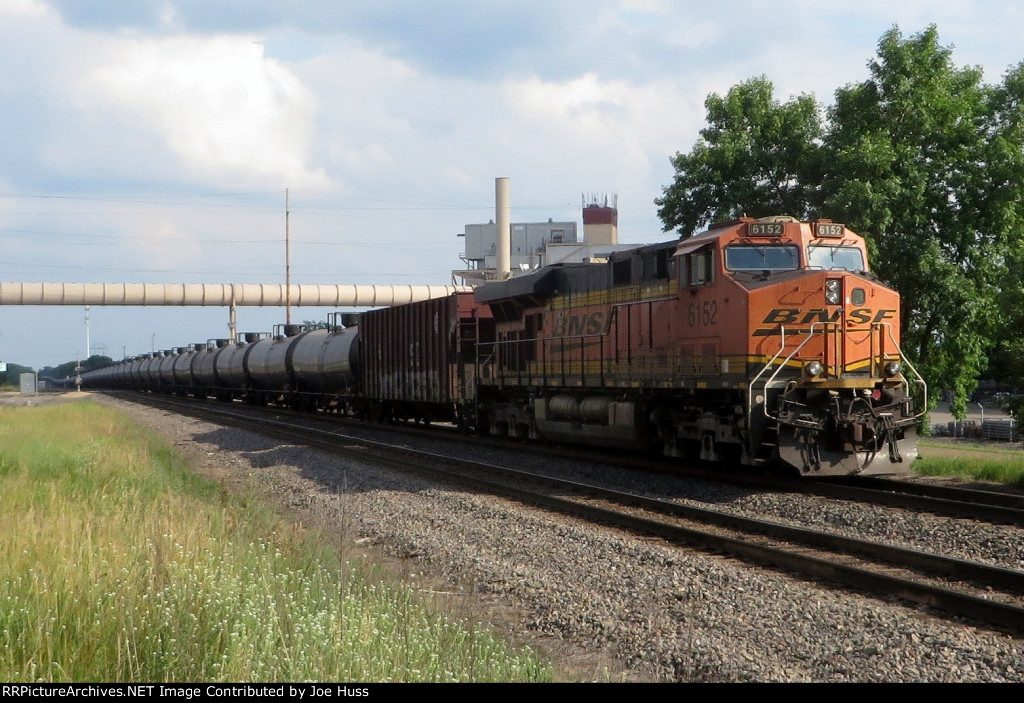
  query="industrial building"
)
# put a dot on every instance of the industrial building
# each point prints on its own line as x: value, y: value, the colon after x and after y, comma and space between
x: 537, y: 244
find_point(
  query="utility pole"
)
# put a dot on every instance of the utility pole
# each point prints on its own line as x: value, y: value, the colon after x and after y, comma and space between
x: 287, y: 263
x: 88, y: 353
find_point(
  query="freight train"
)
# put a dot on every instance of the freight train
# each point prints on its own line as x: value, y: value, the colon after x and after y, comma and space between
x: 758, y: 341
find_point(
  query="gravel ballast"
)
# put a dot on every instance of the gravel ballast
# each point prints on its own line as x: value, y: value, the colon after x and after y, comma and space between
x: 608, y: 606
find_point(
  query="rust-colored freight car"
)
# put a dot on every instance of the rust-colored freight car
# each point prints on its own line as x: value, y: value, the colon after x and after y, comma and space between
x: 417, y: 361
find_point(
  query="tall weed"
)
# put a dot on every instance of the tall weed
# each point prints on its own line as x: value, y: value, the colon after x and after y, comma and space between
x: 119, y: 564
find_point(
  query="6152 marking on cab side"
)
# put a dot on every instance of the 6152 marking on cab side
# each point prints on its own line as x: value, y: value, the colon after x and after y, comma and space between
x: 703, y: 314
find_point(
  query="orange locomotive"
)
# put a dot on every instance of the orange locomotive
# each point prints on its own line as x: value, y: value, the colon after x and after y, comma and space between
x: 755, y: 341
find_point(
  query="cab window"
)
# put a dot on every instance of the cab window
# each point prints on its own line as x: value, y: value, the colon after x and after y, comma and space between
x: 762, y: 258
x: 699, y: 267
x: 835, y: 258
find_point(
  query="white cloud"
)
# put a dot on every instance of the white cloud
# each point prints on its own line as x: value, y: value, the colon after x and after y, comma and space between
x: 584, y: 105
x: 398, y: 133
x: 22, y: 8
x: 615, y: 128
x: 653, y: 7
x: 226, y: 112
x: 169, y: 18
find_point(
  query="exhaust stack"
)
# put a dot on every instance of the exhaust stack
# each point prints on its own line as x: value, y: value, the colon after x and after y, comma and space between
x: 503, y: 264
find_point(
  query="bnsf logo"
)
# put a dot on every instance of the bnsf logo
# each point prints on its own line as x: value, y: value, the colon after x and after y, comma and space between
x: 579, y: 325
x: 791, y: 316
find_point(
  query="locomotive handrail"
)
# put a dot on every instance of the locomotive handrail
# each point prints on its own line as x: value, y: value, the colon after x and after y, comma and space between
x: 753, y: 383
x: 904, y: 359
x: 810, y: 336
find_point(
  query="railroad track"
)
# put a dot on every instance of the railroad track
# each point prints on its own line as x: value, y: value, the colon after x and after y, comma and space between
x: 1001, y: 508
x: 954, y: 587
x: 993, y: 505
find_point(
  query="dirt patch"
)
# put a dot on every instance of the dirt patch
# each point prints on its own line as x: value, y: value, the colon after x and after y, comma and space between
x: 16, y: 399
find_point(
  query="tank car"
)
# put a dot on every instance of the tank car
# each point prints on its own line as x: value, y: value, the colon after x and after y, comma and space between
x: 204, y: 376
x: 229, y: 367
x: 324, y: 364
x: 757, y: 340
x: 162, y: 376
x: 268, y: 379
x: 181, y: 369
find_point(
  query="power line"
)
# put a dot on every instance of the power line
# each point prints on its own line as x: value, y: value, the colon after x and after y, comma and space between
x: 379, y: 203
x: 22, y: 269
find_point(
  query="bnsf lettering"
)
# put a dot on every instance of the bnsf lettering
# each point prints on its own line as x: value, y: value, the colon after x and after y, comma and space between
x: 821, y: 316
x: 792, y: 316
x: 782, y: 316
x: 579, y: 325
x: 859, y: 317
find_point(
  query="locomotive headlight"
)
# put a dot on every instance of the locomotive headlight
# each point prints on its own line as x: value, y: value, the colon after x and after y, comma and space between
x: 893, y: 368
x: 813, y: 368
x: 833, y: 291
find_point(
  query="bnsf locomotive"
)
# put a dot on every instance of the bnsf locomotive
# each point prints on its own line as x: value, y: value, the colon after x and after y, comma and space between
x: 757, y: 341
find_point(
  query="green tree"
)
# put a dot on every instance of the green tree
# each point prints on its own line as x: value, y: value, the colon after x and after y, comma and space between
x: 918, y: 162
x: 922, y: 158
x: 756, y: 157
x: 12, y: 377
x: 1007, y: 359
x: 68, y: 368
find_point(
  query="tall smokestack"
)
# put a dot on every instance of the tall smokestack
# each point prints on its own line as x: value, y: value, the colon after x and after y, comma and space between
x: 501, y: 216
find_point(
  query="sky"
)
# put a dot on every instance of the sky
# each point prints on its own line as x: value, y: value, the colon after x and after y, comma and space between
x: 153, y: 141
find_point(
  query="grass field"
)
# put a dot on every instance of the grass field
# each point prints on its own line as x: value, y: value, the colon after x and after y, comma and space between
x: 117, y: 563
x: 984, y: 462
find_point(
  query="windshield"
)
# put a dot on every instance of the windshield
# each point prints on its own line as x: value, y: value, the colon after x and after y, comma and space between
x: 762, y: 258
x: 835, y: 258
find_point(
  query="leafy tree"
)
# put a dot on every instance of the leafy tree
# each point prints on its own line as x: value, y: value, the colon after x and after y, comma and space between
x: 922, y: 158
x: 756, y: 157
x: 1007, y: 359
x: 917, y: 163
x: 12, y: 377
x: 68, y: 368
